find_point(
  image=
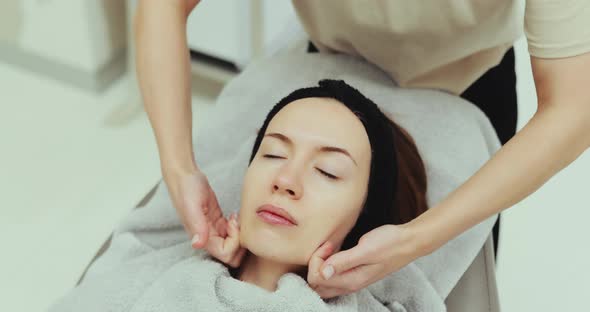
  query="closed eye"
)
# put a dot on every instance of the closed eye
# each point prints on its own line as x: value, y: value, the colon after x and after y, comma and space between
x: 329, y: 175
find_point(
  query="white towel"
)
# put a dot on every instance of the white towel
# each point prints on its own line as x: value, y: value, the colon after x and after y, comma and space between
x: 150, y: 265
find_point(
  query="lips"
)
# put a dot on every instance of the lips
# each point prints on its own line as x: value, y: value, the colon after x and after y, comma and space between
x: 277, y: 211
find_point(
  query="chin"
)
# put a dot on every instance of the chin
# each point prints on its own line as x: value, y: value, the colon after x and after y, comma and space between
x: 277, y: 250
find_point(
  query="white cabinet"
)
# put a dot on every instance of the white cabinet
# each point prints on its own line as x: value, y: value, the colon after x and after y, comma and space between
x: 238, y: 31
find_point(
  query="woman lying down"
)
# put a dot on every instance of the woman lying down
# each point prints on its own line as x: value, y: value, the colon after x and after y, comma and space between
x: 326, y: 163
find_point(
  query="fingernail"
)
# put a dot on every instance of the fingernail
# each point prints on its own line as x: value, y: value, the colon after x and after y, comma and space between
x: 328, y: 271
x: 235, y: 222
x: 195, y: 239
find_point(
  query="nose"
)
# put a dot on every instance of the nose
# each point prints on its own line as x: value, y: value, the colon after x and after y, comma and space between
x: 287, y: 182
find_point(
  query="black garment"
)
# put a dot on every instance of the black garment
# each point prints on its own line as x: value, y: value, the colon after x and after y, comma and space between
x: 495, y: 94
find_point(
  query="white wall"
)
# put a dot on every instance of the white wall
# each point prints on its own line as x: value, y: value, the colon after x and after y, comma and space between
x: 543, y: 255
x: 84, y: 34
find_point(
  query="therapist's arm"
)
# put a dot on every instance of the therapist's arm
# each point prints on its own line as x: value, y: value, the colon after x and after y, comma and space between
x: 163, y: 72
x: 555, y: 136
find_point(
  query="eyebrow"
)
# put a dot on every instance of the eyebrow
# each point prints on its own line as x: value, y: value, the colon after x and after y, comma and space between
x: 332, y: 149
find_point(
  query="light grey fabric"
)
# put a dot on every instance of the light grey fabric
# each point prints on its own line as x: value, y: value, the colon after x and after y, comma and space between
x: 151, y: 267
x: 477, y: 291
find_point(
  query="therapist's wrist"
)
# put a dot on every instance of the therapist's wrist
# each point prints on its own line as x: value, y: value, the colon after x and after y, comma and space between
x: 418, y: 237
x: 172, y: 166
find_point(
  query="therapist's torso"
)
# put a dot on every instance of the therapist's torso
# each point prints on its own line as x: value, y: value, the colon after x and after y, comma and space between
x: 443, y: 45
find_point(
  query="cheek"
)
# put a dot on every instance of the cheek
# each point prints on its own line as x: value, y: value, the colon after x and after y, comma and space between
x: 344, y: 216
x: 253, y: 189
x: 333, y: 219
x: 255, y: 180
x: 256, y: 189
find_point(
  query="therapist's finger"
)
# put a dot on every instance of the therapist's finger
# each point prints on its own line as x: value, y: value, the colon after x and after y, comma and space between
x: 237, y: 260
x: 217, y: 215
x: 232, y: 242
x: 226, y: 248
x: 330, y: 292
x: 345, y: 261
x: 190, y: 196
x: 238, y: 252
x: 315, y: 262
x: 197, y: 224
x: 354, y: 278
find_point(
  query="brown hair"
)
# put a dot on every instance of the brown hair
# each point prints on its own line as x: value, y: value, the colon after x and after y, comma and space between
x: 411, y: 187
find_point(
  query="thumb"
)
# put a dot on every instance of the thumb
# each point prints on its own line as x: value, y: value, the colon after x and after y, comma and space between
x: 317, y: 259
x: 343, y: 261
x: 197, y: 224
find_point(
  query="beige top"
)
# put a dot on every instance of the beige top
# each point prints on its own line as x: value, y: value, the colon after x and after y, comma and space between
x: 444, y: 45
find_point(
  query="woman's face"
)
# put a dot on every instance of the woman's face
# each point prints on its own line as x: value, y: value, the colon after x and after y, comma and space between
x: 314, y: 162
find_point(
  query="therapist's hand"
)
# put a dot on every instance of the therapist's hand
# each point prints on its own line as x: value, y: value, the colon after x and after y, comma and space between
x: 199, y: 212
x: 228, y: 249
x: 378, y: 253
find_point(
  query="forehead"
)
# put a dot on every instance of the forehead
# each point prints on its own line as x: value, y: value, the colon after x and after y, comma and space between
x: 321, y: 121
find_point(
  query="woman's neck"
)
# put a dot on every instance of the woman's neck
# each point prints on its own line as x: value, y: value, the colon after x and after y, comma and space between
x: 263, y: 272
